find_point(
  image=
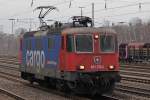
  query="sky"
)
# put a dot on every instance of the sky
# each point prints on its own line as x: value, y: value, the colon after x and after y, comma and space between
x: 114, y: 11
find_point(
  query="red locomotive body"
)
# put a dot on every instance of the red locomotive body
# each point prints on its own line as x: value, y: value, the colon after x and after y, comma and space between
x: 80, y: 58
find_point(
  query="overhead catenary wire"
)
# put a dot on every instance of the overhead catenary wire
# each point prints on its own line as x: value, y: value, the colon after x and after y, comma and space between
x: 125, y: 6
x: 100, y: 10
x: 56, y: 4
x: 118, y: 7
x: 129, y: 5
x: 119, y: 18
x: 125, y: 1
x: 68, y: 1
x: 31, y: 11
x: 145, y: 11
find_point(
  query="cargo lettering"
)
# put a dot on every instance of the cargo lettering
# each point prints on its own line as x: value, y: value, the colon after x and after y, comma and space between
x: 35, y: 58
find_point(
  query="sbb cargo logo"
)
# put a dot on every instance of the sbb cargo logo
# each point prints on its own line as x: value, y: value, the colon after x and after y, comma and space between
x: 35, y: 58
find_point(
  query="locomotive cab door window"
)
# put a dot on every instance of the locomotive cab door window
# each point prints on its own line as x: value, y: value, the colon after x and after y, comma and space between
x: 84, y: 43
x: 107, y: 43
x: 70, y: 43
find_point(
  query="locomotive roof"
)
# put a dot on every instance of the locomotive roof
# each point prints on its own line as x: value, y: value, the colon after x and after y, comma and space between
x: 70, y: 31
x: 88, y: 30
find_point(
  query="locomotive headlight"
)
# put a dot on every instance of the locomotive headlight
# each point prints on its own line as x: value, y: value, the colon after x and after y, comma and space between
x: 111, y: 67
x: 96, y: 36
x: 81, y: 67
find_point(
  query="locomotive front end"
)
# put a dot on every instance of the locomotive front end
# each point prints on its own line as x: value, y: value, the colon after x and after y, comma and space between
x: 93, y: 58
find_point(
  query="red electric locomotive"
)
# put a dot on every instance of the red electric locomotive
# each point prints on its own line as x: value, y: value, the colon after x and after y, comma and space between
x: 83, y: 59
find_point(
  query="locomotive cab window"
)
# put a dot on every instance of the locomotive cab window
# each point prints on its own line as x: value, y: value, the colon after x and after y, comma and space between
x: 107, y: 43
x: 84, y: 43
x: 70, y: 43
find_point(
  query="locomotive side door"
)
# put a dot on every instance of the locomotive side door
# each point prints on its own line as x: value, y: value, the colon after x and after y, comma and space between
x: 67, y: 51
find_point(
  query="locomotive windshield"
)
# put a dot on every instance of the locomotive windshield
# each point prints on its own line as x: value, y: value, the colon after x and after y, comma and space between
x: 84, y: 43
x: 107, y: 43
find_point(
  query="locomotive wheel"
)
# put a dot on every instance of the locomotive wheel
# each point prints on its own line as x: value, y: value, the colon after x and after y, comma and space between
x: 77, y: 87
x: 111, y: 87
x: 61, y: 86
x: 30, y: 79
x: 71, y: 85
x: 42, y: 83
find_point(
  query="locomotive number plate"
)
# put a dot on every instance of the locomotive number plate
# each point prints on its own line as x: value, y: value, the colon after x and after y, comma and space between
x: 97, y: 67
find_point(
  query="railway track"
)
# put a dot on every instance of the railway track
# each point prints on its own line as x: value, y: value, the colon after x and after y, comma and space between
x: 14, y: 61
x: 136, y: 68
x: 15, y: 78
x: 135, y: 73
x: 12, y: 78
x: 139, y: 66
x: 136, y: 79
x: 11, y: 94
x: 133, y: 90
x: 126, y: 75
x: 8, y: 56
